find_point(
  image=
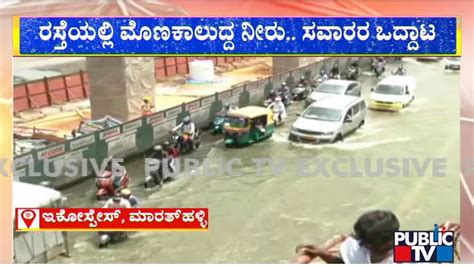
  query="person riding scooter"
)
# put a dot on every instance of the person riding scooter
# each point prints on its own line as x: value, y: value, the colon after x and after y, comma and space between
x: 400, y: 70
x: 117, y: 172
x: 285, y: 94
x: 379, y: 66
x: 270, y: 99
x: 335, y: 72
x: 160, y: 153
x: 226, y: 109
x: 303, y: 81
x: 278, y: 107
x: 132, y: 199
x: 186, y: 127
x: 171, y: 150
x: 353, y: 71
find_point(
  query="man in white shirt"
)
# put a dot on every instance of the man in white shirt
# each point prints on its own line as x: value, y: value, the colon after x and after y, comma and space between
x: 372, y: 242
x: 117, y: 202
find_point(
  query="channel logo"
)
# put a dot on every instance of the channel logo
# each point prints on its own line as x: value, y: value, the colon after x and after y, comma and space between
x: 27, y: 219
x: 424, y: 246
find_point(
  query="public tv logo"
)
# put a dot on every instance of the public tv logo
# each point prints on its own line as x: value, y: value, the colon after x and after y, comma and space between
x: 27, y: 219
x: 424, y: 246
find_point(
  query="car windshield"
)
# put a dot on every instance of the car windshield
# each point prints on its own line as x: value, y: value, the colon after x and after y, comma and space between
x: 331, y: 88
x: 236, y: 122
x: 322, y: 114
x: 389, y: 89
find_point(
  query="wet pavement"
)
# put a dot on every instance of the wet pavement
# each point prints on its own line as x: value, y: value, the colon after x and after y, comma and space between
x: 261, y: 219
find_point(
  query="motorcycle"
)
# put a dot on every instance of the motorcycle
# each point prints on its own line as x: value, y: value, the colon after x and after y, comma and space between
x: 185, y: 143
x: 335, y: 76
x: 300, y: 92
x: 157, y: 177
x: 105, y: 185
x: 105, y: 238
x: 218, y: 124
x: 353, y: 73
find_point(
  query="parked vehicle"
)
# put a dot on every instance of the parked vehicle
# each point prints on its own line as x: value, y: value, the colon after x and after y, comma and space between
x: 453, y: 63
x: 334, y: 86
x: 330, y: 119
x: 393, y: 93
x: 248, y: 125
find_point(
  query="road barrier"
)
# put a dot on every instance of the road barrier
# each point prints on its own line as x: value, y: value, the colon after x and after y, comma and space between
x: 139, y: 135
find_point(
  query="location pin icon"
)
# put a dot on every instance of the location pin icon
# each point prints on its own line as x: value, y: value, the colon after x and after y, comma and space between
x: 28, y: 217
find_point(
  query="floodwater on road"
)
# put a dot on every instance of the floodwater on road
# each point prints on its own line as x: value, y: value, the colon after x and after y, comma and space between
x: 260, y: 219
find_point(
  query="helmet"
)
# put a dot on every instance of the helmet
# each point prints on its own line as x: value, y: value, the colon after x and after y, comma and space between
x: 126, y: 192
x: 283, y: 84
x: 278, y: 99
x: 158, y: 148
x: 166, y: 144
x: 117, y: 198
x: 147, y: 98
x: 187, y: 120
x: 400, y: 66
x: 226, y: 105
x: 322, y: 71
x: 302, y: 78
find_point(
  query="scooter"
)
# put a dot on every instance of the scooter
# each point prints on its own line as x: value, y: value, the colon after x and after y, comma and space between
x: 157, y: 177
x: 105, y: 185
x: 299, y: 92
x: 285, y: 96
x: 218, y: 124
x: 106, y: 238
x: 185, y: 143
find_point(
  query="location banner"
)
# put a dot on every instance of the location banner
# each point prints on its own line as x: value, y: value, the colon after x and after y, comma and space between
x: 235, y: 36
x: 111, y: 219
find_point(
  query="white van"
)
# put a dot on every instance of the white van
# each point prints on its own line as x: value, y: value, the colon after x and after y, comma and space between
x: 393, y: 93
x: 330, y: 119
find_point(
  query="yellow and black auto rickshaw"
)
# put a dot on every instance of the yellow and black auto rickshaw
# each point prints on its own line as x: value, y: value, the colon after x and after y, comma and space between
x: 248, y: 125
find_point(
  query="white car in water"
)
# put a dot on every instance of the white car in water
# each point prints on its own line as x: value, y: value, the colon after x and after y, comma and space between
x: 334, y: 87
x: 393, y: 93
x: 453, y: 63
x: 330, y: 119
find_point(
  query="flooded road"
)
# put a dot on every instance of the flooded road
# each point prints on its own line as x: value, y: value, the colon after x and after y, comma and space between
x: 261, y: 219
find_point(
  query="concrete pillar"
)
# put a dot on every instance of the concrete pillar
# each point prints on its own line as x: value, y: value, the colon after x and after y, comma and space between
x: 118, y: 85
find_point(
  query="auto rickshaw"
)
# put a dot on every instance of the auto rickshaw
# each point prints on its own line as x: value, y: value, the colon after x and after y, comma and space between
x: 248, y: 125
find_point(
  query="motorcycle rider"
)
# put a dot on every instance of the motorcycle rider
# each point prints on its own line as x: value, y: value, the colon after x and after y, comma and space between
x: 170, y: 150
x: 186, y: 127
x: 226, y: 109
x: 132, y: 199
x: 117, y: 172
x: 302, y: 81
x: 400, y: 70
x: 117, y: 202
x: 160, y: 154
x: 335, y: 72
x: 353, y: 69
x: 278, y: 107
x: 380, y: 62
x: 285, y: 93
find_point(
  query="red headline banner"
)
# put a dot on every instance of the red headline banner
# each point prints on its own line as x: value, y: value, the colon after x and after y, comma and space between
x: 110, y: 219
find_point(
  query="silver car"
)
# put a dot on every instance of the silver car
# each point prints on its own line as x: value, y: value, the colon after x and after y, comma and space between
x: 332, y: 87
x: 330, y: 119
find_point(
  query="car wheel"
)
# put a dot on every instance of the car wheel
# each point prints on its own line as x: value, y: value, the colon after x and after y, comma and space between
x: 338, y: 138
